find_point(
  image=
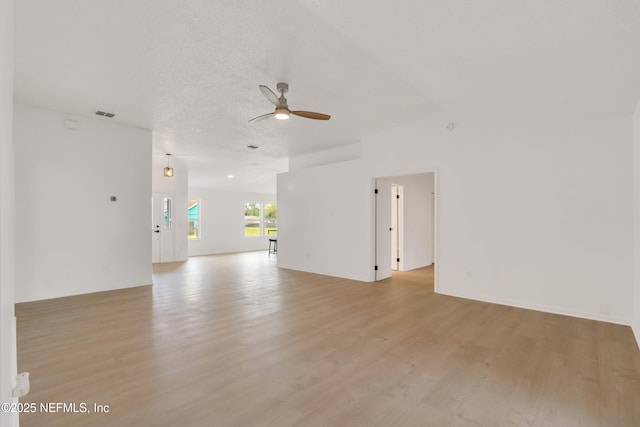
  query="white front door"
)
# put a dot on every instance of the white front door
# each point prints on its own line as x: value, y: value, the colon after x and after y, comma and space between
x: 162, y: 228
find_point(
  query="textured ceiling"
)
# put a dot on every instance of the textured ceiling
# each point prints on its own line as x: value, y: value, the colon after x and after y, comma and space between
x: 190, y: 70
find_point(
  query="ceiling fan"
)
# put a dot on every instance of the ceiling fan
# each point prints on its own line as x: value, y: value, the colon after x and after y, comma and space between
x: 282, y: 111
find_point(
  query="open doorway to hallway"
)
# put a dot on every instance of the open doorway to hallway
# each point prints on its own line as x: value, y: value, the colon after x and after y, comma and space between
x: 405, y: 228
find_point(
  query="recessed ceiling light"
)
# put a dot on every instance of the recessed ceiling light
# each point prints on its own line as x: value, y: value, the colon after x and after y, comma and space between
x: 229, y: 176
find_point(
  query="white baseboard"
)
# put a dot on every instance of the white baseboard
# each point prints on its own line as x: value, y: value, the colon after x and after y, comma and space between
x: 74, y: 292
x: 324, y: 273
x: 539, y: 307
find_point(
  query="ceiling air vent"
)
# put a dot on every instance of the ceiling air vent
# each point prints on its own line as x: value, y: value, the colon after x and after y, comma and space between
x: 102, y: 113
x: 253, y: 147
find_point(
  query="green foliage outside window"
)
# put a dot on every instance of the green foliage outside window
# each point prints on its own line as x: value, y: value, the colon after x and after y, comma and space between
x: 270, y: 219
x: 252, y: 219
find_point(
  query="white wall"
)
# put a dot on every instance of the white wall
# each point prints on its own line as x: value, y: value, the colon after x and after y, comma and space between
x: 7, y: 221
x: 417, y: 219
x: 533, y: 212
x: 71, y: 239
x: 318, y: 158
x: 222, y: 221
x: 324, y: 223
x: 176, y: 186
x: 636, y: 223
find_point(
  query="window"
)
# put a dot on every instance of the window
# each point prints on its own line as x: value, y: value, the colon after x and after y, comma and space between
x: 167, y: 213
x: 270, y: 219
x: 252, y: 219
x: 193, y: 217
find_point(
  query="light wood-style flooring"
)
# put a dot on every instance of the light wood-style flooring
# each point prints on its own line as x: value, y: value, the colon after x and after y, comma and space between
x: 231, y: 340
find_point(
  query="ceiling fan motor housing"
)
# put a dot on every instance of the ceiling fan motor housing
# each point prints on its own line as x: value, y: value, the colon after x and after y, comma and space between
x: 282, y: 88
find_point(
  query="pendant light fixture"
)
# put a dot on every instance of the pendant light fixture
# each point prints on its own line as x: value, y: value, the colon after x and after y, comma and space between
x: 168, y: 170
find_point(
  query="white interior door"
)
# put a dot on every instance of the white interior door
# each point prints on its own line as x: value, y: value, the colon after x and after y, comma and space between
x: 156, y: 224
x: 162, y: 228
x: 395, y: 258
x: 433, y: 227
x: 397, y: 246
x: 383, y: 230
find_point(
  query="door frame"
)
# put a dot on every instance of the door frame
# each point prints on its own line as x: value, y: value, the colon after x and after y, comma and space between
x: 374, y: 225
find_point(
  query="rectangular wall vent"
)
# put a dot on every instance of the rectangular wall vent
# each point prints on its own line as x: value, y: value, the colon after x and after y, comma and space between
x: 102, y: 113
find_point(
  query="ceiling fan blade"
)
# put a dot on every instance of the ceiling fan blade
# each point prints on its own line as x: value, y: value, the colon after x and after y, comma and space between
x: 268, y: 93
x: 311, y: 115
x: 262, y: 117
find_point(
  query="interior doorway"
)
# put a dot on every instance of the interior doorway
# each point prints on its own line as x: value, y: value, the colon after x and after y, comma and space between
x: 404, y: 217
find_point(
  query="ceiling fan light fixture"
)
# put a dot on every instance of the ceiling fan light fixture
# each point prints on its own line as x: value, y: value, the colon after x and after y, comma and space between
x: 281, y: 113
